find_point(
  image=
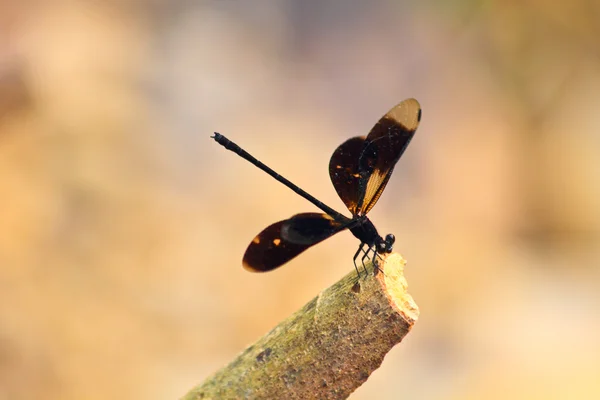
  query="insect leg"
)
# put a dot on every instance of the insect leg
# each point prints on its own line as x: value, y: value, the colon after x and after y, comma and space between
x: 365, y: 256
x: 360, y: 248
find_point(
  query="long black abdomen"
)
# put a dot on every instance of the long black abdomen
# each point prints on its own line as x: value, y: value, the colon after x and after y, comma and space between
x: 229, y: 145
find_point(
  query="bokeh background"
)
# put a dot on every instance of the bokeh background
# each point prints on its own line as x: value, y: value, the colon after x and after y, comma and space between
x: 122, y: 224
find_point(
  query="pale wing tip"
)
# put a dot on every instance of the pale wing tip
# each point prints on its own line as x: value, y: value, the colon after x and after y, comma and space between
x: 406, y: 113
x: 411, y: 100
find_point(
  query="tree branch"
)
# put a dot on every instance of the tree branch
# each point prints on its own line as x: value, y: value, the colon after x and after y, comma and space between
x: 328, y: 348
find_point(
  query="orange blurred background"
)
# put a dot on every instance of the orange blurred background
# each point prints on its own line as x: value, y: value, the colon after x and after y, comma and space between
x: 123, y: 224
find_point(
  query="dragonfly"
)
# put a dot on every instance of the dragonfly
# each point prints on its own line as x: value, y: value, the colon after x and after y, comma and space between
x: 360, y: 168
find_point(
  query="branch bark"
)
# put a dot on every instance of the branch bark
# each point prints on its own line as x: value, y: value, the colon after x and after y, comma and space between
x: 328, y: 348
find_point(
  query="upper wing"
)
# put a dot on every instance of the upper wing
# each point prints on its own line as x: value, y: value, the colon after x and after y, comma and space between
x: 284, y: 240
x: 361, y: 167
x: 344, y: 171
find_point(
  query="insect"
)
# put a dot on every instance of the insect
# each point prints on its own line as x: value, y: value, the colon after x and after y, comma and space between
x: 359, y: 169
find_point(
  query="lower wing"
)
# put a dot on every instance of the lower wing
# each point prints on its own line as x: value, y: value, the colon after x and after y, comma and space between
x: 280, y: 242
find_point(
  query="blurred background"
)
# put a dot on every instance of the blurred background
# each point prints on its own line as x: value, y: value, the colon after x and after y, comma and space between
x: 122, y: 224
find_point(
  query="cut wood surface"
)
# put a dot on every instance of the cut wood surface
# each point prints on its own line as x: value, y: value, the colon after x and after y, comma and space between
x: 326, y: 349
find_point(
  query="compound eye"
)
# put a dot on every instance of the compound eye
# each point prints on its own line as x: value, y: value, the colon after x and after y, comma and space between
x: 389, y: 242
x: 390, y: 239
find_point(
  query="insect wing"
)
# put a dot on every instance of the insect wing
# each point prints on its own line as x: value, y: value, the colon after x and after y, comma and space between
x: 311, y: 228
x: 361, y: 167
x: 344, y: 171
x: 280, y: 242
x: 383, y: 147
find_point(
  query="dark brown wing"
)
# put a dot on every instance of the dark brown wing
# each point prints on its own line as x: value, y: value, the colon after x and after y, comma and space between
x: 384, y: 146
x: 361, y: 167
x: 284, y: 240
x: 344, y: 171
